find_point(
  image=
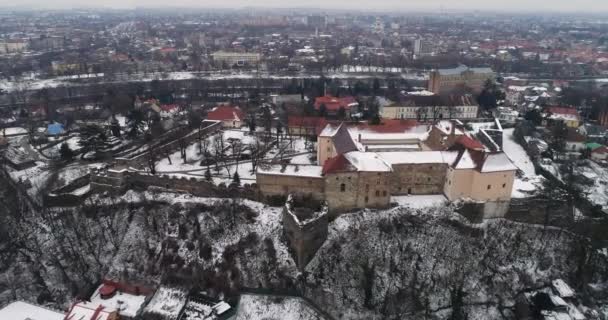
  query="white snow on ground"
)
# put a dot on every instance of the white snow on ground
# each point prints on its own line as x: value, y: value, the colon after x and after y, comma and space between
x: 14, y: 131
x: 261, y: 307
x: 420, y: 201
x: 20, y: 310
x: 167, y: 302
x: 308, y: 158
x: 530, y: 181
x: 598, y: 193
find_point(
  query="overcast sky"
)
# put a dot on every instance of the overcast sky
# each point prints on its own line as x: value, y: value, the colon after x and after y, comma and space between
x: 378, y: 5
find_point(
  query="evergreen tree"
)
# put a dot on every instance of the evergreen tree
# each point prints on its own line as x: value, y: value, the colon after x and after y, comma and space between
x: 92, y: 139
x: 208, y: 174
x: 341, y: 113
x: 135, y: 123
x: 236, y: 179
x: 65, y: 152
x: 322, y: 110
x: 115, y: 128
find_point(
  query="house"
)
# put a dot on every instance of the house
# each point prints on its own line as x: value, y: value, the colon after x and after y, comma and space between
x: 598, y: 152
x: 111, y: 301
x: 575, y: 141
x: 505, y: 114
x: 169, y: 110
x: 568, y: 115
x: 333, y: 105
x: 230, y: 116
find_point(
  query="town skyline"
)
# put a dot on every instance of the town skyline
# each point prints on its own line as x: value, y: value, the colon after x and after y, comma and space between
x: 521, y: 6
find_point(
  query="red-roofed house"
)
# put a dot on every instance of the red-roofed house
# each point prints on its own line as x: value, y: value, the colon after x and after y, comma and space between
x: 231, y: 117
x: 568, y: 115
x: 168, y: 110
x: 599, y: 154
x: 333, y: 104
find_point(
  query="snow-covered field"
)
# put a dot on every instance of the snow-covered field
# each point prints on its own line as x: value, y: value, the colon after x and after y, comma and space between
x: 260, y: 307
x: 530, y: 182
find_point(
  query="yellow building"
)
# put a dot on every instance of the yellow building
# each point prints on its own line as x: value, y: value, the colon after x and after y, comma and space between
x: 446, y: 80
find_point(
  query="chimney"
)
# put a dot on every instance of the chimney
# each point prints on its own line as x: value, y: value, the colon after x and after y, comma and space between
x: 359, y: 138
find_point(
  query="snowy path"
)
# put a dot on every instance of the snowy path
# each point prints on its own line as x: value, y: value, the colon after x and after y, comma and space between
x: 530, y: 181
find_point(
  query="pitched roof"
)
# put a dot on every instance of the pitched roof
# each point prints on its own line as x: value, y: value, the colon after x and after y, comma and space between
x: 334, y: 104
x: 224, y: 113
x: 470, y: 143
x: 342, y: 140
x: 338, y: 163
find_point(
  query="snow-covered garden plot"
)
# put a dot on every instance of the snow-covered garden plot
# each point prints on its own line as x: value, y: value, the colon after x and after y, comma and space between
x: 530, y: 181
x: 166, y: 302
x: 260, y: 307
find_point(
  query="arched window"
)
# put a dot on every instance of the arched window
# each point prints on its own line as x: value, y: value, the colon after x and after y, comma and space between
x: 342, y: 187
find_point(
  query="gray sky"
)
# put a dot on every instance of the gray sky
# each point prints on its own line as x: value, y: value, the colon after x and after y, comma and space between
x: 377, y: 5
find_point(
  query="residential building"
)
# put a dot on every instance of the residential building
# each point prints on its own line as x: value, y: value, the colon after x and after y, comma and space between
x: 447, y: 80
x: 230, y: 59
x: 568, y: 115
x: 230, y: 116
x: 425, y: 106
x: 333, y: 105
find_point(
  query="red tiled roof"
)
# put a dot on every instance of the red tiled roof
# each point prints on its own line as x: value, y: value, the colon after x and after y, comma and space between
x: 561, y: 110
x: 335, y: 164
x: 223, y: 113
x: 469, y: 143
x: 169, y: 107
x: 333, y: 103
x: 602, y: 149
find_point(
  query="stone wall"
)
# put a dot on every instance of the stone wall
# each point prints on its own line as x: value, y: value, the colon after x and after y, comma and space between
x: 418, y: 178
x: 121, y: 180
x: 272, y: 185
x: 350, y: 190
x: 305, y: 230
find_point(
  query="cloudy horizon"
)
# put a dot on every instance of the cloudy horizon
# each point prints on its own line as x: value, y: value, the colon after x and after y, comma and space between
x: 539, y: 6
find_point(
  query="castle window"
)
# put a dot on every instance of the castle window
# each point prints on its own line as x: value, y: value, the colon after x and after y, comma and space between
x: 367, y: 187
x: 489, y: 187
x: 377, y: 193
x: 504, y: 185
x: 384, y: 193
x: 366, y: 199
x: 342, y: 187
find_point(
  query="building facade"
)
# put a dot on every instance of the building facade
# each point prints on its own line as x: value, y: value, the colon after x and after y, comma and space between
x: 447, y: 80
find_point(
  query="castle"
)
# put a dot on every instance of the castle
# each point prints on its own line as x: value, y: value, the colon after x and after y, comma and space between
x: 362, y: 166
